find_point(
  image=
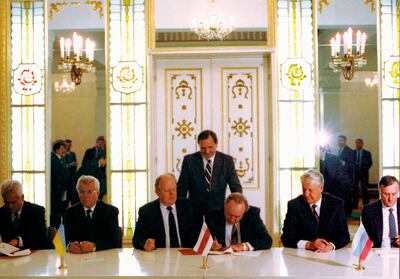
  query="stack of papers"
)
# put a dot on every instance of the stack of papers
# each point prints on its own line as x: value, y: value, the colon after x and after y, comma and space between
x: 11, y: 251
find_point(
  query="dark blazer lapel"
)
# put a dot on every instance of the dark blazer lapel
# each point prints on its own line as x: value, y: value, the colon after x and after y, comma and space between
x: 379, y: 221
x: 216, y: 170
x: 181, y: 221
x: 398, y: 215
x: 160, y: 223
x: 198, y: 170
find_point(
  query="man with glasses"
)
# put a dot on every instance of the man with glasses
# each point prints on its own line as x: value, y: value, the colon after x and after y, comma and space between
x: 91, y: 224
x: 238, y: 226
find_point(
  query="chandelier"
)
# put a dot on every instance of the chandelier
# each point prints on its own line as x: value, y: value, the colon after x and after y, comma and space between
x: 212, y: 26
x: 74, y: 62
x: 348, y: 61
x: 64, y: 86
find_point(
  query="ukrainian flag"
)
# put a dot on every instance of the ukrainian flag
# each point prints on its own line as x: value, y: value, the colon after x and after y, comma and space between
x: 59, y: 241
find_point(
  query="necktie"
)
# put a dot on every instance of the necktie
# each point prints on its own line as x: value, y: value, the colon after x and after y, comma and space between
x: 392, y: 225
x: 88, y: 217
x: 314, y: 212
x: 16, y: 222
x: 173, y: 235
x: 234, y: 235
x: 207, y: 174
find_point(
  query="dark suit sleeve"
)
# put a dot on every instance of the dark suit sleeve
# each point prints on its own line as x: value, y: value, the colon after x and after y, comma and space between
x: 261, y: 239
x: 110, y: 233
x: 141, y: 234
x: 233, y: 179
x: 36, y: 237
x: 183, y: 182
x: 290, y: 236
x: 367, y: 217
x: 341, y: 237
x: 368, y: 161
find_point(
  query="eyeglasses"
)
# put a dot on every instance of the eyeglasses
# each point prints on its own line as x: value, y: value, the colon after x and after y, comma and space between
x: 89, y: 192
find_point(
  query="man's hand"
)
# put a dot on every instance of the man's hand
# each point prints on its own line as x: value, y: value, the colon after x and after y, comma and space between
x: 14, y: 242
x: 397, y: 241
x: 216, y: 246
x: 74, y: 247
x: 239, y: 247
x: 150, y: 244
x: 319, y: 245
x: 87, y: 246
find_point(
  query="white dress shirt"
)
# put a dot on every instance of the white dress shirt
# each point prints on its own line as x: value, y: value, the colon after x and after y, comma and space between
x: 205, y: 162
x: 92, y: 210
x: 228, y: 236
x: 13, y: 216
x: 385, y: 234
x: 165, y: 215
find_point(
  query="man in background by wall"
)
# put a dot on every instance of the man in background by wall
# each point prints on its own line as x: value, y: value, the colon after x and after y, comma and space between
x: 363, y: 162
x: 71, y: 165
x: 346, y: 157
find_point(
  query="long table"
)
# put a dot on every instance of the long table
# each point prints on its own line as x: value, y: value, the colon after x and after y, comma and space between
x: 169, y: 263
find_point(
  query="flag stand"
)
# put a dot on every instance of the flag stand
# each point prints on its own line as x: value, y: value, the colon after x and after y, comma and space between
x: 62, y: 264
x: 360, y: 267
x: 204, y: 266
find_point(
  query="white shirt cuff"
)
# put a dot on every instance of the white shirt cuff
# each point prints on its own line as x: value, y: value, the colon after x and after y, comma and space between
x: 20, y: 242
x: 302, y: 244
x: 251, y: 248
x: 333, y: 245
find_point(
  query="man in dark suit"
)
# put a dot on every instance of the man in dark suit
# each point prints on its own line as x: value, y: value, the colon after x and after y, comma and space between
x: 91, y: 224
x: 167, y: 221
x: 315, y: 220
x: 22, y: 224
x: 381, y: 219
x: 71, y: 166
x: 346, y: 157
x: 59, y: 184
x: 238, y: 226
x: 336, y: 180
x: 206, y: 174
x: 363, y: 162
x: 96, y: 151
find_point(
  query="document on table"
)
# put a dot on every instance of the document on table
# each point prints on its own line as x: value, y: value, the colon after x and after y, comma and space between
x: 11, y: 251
x: 388, y: 252
x: 231, y: 252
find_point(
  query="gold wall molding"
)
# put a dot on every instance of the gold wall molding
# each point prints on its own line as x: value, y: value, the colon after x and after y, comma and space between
x: 4, y: 90
x: 55, y: 7
x: 188, y: 36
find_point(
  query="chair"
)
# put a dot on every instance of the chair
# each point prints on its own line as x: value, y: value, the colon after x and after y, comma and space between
x: 51, y: 233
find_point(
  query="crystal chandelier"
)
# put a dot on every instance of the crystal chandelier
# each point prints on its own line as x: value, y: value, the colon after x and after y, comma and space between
x: 64, y: 86
x: 74, y: 62
x: 212, y: 26
x: 349, y: 61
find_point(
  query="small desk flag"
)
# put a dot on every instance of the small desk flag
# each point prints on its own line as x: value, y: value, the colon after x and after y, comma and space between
x: 361, y: 243
x: 204, y: 242
x: 59, y: 241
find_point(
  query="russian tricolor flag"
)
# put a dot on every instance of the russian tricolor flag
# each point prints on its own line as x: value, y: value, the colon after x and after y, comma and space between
x: 361, y: 243
x: 205, y: 241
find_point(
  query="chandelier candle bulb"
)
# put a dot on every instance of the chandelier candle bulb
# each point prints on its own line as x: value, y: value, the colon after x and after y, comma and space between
x: 358, y: 42
x: 68, y: 47
x: 363, y: 41
x: 62, y: 46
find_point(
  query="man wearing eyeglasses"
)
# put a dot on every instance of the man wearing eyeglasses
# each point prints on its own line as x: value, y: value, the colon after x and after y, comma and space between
x: 91, y: 224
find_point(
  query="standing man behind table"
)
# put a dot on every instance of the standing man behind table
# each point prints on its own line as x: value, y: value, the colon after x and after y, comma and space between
x: 205, y: 174
x: 381, y: 219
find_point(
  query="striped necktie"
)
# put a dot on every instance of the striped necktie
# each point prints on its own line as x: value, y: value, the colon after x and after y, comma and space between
x: 207, y: 174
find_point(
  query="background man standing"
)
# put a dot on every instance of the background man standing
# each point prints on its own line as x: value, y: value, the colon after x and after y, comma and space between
x: 363, y: 163
x: 381, y: 219
x: 206, y: 174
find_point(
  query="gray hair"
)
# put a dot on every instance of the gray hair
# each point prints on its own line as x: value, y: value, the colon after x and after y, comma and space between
x: 238, y: 198
x: 11, y: 186
x: 313, y: 175
x: 158, y: 180
x: 87, y: 179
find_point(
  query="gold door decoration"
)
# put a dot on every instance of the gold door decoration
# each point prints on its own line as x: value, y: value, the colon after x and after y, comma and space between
x: 27, y: 51
x: 389, y: 34
x: 240, y: 122
x: 183, y: 89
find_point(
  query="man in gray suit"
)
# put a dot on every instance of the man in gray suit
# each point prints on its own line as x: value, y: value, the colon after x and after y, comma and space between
x: 205, y: 174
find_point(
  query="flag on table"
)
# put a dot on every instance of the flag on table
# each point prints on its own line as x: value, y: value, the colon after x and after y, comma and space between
x: 361, y: 243
x: 59, y: 241
x: 204, y: 243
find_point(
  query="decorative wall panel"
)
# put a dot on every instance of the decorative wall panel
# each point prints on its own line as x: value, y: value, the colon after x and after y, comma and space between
x: 240, y: 121
x: 183, y: 107
x: 28, y: 98
x: 389, y: 30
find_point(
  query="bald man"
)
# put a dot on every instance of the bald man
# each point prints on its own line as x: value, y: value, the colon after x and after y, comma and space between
x: 167, y: 221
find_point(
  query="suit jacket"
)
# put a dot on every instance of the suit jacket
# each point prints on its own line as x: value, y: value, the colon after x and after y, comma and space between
x: 362, y: 170
x: 92, y: 168
x: 59, y: 180
x: 372, y: 219
x: 252, y: 228
x: 347, y: 157
x: 300, y: 223
x: 90, y: 154
x: 192, y: 180
x: 103, y: 229
x: 150, y: 224
x: 32, y: 226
